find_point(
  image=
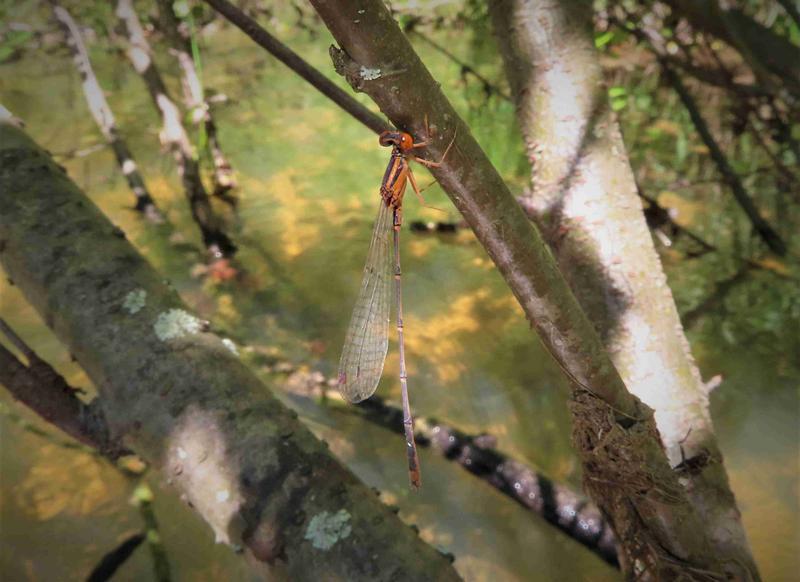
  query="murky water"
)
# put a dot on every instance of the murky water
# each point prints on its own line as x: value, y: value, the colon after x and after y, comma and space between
x: 309, y: 177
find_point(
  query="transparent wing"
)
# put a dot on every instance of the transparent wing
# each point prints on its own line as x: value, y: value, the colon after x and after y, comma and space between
x: 367, y: 339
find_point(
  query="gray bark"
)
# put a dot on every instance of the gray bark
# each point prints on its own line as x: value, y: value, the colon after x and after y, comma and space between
x: 584, y: 198
x: 178, y: 397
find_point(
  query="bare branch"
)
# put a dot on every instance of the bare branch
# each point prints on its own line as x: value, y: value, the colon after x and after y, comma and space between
x: 96, y: 100
x: 174, y: 135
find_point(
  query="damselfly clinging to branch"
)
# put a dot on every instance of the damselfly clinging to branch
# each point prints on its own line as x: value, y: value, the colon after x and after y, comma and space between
x: 367, y: 340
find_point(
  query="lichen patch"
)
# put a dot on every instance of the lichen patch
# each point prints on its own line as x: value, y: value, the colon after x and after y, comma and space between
x: 135, y: 301
x: 228, y: 343
x: 325, y: 529
x: 369, y: 74
x: 176, y: 323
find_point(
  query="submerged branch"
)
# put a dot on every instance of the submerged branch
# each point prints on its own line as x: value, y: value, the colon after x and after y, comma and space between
x: 182, y: 400
x: 557, y: 503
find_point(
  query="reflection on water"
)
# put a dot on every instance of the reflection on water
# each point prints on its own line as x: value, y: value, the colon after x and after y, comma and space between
x: 309, y: 178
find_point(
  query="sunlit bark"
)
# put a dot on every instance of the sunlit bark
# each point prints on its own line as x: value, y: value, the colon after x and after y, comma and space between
x: 584, y: 198
x: 624, y: 464
x: 178, y: 395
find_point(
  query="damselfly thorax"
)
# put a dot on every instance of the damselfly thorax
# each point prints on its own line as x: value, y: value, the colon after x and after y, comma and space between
x: 367, y: 340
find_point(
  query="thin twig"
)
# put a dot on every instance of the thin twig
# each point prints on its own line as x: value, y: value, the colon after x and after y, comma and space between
x: 295, y: 62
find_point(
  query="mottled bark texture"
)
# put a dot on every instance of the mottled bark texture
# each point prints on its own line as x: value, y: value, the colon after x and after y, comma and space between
x: 296, y: 63
x: 181, y: 399
x: 763, y: 50
x: 178, y: 37
x: 557, y: 503
x: 584, y: 198
x: 98, y: 106
x: 173, y: 135
x: 624, y: 464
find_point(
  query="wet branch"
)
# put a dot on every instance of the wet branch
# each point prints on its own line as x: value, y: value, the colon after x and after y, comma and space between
x: 102, y: 114
x: 179, y: 40
x: 296, y: 63
x: 174, y: 135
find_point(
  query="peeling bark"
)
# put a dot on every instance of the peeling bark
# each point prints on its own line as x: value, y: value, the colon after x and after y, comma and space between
x: 624, y: 464
x: 98, y: 106
x: 174, y: 135
x: 200, y: 111
x: 584, y: 198
x: 181, y: 399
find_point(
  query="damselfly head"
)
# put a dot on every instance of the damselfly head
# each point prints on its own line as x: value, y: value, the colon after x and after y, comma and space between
x: 399, y: 139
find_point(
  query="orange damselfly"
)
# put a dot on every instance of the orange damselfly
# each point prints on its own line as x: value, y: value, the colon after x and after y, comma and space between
x: 367, y: 339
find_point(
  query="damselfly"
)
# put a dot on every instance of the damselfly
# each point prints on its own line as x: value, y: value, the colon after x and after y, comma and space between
x: 367, y: 340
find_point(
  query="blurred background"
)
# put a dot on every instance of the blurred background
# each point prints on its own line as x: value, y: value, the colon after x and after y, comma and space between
x: 308, y: 178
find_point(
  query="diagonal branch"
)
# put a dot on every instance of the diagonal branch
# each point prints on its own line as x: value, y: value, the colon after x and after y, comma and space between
x: 614, y: 432
x: 178, y: 38
x: 98, y: 106
x: 295, y: 62
x: 174, y: 135
x: 39, y: 387
x: 761, y: 226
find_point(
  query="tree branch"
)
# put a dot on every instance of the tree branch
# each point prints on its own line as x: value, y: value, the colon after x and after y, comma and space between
x: 376, y: 58
x: 39, y: 387
x: 296, y: 63
x: 178, y: 38
x: 174, y: 135
x: 762, y: 49
x: 761, y: 226
x: 182, y: 400
x: 98, y: 106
